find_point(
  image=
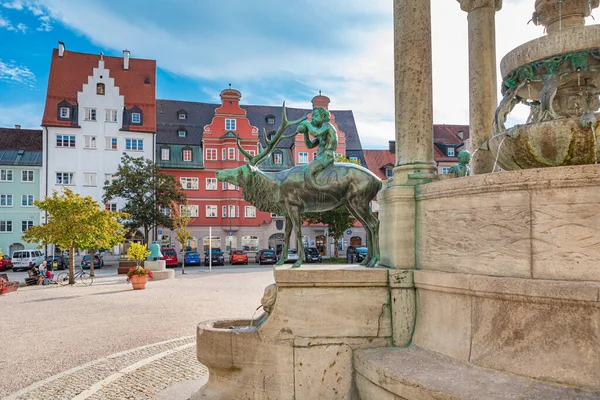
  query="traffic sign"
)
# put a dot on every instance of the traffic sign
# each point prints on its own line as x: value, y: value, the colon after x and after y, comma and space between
x: 160, y: 232
x: 230, y: 233
x: 349, y: 232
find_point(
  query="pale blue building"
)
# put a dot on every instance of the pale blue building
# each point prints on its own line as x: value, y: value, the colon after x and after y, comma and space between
x: 20, y: 167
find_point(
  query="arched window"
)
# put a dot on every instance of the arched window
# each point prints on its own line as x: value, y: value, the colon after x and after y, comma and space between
x: 100, y: 89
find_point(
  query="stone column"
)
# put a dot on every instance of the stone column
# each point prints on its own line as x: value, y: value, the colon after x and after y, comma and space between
x: 413, y: 89
x: 483, y: 86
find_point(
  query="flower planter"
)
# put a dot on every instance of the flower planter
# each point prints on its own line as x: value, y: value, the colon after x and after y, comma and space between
x: 139, y: 281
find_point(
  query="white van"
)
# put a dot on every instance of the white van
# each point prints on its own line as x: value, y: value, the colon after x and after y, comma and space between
x: 27, y: 259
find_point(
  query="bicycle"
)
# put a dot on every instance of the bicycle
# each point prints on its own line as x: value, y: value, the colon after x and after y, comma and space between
x: 86, y: 279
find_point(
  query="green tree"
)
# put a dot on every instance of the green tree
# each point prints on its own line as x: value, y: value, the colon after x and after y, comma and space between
x: 180, y: 227
x: 338, y: 220
x: 75, y: 222
x: 146, y: 191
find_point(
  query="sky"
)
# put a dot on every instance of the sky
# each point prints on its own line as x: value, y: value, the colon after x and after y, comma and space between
x: 270, y: 50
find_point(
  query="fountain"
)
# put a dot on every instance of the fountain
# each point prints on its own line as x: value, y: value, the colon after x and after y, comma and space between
x: 488, y: 284
x: 558, y: 77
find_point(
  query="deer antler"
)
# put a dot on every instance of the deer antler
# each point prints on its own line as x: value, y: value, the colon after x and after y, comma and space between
x: 271, y: 144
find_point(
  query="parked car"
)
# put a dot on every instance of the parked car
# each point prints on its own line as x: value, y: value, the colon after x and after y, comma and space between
x: 5, y: 263
x: 170, y: 257
x: 312, y: 255
x: 216, y: 256
x: 292, y: 256
x: 57, y: 262
x: 266, y: 256
x: 26, y: 259
x: 191, y: 258
x: 238, y: 257
x: 356, y: 254
x: 98, y: 261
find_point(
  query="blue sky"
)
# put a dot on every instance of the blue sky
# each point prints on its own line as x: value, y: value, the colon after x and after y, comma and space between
x: 271, y: 50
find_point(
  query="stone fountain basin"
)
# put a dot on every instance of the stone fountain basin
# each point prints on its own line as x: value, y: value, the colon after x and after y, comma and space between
x: 554, y: 143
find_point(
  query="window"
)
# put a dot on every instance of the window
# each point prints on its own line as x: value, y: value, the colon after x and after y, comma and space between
x: 5, y: 226
x: 90, y: 114
x: 302, y: 158
x: 136, y: 118
x: 65, y: 141
x: 6, y: 175
x: 277, y: 158
x: 231, y: 186
x: 90, y: 142
x: 181, y: 115
x: 223, y: 154
x: 224, y: 211
x: 64, y: 178
x: 112, y: 207
x: 181, y: 132
x: 25, y: 225
x: 6, y: 200
x: 446, y: 170
x: 190, y: 210
x: 339, y: 155
x: 211, y: 183
x: 165, y: 210
x: 250, y: 243
x: 250, y: 212
x: 189, y: 183
x: 271, y: 120
x: 314, y: 155
x: 450, y: 152
x: 89, y: 179
x: 65, y: 112
x: 232, y: 213
x: 111, y: 116
x: 389, y: 172
x: 211, y: 211
x: 26, y: 200
x: 187, y: 155
x: 26, y: 176
x: 353, y: 158
x: 100, y: 89
x: 211, y: 154
x: 165, y: 153
x: 108, y: 178
x: 111, y: 143
x: 231, y: 153
x: 230, y: 124
x: 134, y: 144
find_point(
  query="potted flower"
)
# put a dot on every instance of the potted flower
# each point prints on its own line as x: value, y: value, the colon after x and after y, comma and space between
x: 138, y: 276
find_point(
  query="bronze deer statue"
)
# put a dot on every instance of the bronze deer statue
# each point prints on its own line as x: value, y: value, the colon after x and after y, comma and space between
x: 285, y: 193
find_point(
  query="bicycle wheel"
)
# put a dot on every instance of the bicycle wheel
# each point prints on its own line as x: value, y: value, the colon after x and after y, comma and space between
x: 63, y: 278
x: 86, y: 278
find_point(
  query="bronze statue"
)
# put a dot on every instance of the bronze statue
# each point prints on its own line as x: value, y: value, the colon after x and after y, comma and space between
x: 462, y: 169
x: 287, y: 193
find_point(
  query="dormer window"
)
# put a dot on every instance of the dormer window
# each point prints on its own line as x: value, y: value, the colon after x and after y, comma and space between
x: 100, y: 89
x: 277, y: 157
x: 450, y: 152
x: 270, y: 135
x: 270, y: 120
x: 181, y: 132
x: 187, y: 154
x: 136, y: 118
x: 65, y: 112
x: 181, y: 115
x: 165, y: 153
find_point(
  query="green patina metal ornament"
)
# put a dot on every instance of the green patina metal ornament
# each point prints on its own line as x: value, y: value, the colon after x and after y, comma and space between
x: 462, y: 169
x: 319, y: 186
x: 155, y: 253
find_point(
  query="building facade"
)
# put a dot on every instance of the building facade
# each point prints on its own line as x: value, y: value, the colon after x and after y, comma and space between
x: 20, y: 165
x: 195, y: 140
x: 97, y: 108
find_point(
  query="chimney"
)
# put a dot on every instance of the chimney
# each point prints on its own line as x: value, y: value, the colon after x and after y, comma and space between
x: 392, y: 146
x: 17, y: 126
x: 61, y: 49
x: 126, y: 60
x: 461, y: 135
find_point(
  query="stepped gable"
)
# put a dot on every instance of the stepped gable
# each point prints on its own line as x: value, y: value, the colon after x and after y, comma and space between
x: 70, y: 72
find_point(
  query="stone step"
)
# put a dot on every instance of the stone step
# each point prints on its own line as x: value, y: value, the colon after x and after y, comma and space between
x: 415, y: 373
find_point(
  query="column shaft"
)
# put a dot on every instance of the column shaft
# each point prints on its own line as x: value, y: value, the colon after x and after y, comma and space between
x: 482, y: 84
x: 413, y: 86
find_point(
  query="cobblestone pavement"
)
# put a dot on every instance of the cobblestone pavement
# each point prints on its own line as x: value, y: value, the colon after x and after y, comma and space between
x: 135, y: 374
x: 108, y: 335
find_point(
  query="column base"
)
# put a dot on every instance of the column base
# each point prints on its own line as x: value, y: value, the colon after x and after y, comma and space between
x: 414, y: 174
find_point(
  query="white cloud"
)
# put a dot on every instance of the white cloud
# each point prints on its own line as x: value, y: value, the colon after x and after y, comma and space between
x: 45, y: 25
x: 15, y: 5
x: 13, y: 73
x: 21, y: 27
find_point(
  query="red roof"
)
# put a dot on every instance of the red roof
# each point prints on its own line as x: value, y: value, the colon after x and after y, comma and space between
x: 69, y: 73
x: 376, y: 159
x: 448, y: 134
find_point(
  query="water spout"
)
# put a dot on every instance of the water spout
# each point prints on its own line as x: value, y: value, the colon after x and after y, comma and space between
x: 498, y: 153
x: 252, y: 320
x: 560, y: 15
x: 593, y: 128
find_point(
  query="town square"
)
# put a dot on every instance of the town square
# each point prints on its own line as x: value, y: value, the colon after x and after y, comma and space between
x: 306, y: 200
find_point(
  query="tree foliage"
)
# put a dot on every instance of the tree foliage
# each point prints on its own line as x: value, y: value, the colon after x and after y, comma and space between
x: 76, y: 222
x: 180, y: 227
x: 146, y: 191
x: 338, y: 220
